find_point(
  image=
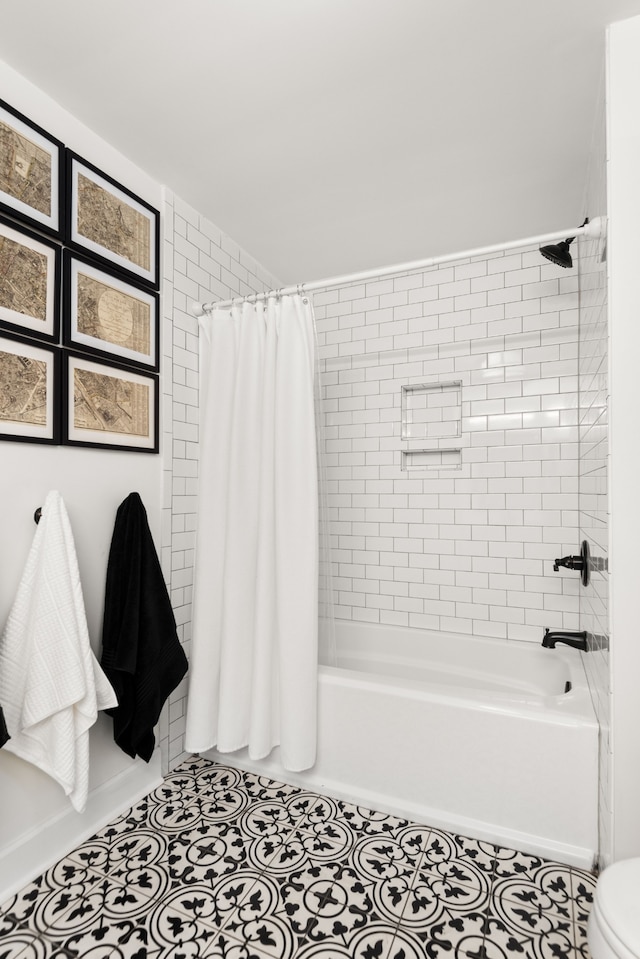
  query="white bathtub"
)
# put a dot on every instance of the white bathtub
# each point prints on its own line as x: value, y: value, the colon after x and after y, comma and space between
x: 472, y: 735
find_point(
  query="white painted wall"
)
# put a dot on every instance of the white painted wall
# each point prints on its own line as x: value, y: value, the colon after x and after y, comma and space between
x: 92, y: 484
x: 624, y: 351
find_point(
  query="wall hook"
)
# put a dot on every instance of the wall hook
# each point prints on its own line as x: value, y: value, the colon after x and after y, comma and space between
x: 37, y: 516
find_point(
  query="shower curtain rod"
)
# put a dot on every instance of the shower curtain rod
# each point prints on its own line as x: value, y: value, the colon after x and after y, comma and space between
x: 592, y: 228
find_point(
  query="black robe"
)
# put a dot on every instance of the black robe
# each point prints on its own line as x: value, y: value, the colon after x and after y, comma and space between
x: 4, y: 732
x: 141, y: 653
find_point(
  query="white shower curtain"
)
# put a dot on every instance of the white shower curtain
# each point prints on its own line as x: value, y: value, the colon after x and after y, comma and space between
x: 253, y: 663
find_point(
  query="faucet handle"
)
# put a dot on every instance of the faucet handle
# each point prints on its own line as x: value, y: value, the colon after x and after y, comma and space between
x: 581, y: 563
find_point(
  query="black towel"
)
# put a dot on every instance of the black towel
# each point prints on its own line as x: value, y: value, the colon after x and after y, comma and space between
x: 4, y: 732
x: 141, y: 653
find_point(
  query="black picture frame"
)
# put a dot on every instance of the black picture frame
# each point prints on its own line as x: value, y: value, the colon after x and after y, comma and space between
x: 108, y: 222
x: 108, y: 316
x: 30, y: 282
x: 104, y: 405
x: 29, y: 394
x: 32, y: 172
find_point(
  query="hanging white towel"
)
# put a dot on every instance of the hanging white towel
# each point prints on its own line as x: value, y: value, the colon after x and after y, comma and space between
x: 51, y: 685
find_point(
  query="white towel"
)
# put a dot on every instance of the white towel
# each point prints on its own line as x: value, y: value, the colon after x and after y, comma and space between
x: 51, y: 685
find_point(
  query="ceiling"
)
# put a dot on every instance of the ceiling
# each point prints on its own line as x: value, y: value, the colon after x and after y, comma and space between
x: 326, y: 136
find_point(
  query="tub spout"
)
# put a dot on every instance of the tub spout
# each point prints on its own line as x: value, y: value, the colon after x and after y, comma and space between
x: 576, y: 640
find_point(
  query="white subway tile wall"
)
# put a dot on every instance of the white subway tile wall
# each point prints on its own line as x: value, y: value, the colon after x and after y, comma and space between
x: 594, y: 458
x: 199, y: 263
x: 467, y: 546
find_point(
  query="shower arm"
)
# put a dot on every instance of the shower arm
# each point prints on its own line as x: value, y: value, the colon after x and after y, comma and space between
x: 593, y: 229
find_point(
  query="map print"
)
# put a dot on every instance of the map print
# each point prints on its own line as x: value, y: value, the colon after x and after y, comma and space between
x: 105, y: 219
x: 110, y: 404
x: 113, y: 316
x: 25, y: 170
x: 23, y: 279
x: 23, y: 389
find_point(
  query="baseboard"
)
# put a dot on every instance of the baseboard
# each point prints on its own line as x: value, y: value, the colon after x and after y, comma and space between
x: 44, y: 846
x: 440, y: 819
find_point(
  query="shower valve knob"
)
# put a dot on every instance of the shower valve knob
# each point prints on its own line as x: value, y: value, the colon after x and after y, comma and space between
x: 581, y: 564
x: 569, y: 562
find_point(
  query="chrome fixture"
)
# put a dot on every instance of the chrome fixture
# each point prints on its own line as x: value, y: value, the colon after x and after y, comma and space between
x: 573, y: 639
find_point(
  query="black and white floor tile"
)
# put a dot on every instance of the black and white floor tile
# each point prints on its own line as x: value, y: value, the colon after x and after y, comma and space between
x: 222, y: 864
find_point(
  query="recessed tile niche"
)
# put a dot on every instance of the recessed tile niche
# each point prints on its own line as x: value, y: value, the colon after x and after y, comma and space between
x: 431, y: 412
x: 431, y: 459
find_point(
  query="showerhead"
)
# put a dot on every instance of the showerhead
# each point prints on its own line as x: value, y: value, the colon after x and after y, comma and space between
x: 558, y: 253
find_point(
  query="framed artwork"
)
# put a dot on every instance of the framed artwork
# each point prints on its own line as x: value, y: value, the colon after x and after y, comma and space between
x: 110, y: 222
x: 31, y: 171
x: 107, y: 316
x: 29, y: 283
x: 108, y: 405
x: 29, y: 405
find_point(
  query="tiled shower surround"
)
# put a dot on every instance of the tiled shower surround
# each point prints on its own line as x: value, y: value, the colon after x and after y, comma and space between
x: 464, y: 540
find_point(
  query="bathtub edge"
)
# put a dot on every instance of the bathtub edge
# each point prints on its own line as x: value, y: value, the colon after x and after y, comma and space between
x: 572, y: 855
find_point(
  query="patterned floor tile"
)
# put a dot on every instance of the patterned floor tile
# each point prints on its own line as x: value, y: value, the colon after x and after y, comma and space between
x: 527, y: 931
x: 583, y: 888
x: 274, y: 840
x: 253, y: 918
x: 225, y: 947
x: 327, y: 902
x: 580, y: 939
x: 167, y: 927
x: 324, y: 843
x: 218, y: 863
x: 387, y: 869
x: 25, y: 944
x: 16, y: 910
x: 176, y: 809
x: 548, y: 888
x: 261, y: 787
x: 433, y: 899
x: 378, y: 941
x: 483, y: 854
x: 511, y: 863
x: 462, y: 935
x: 43, y: 905
x: 191, y: 768
x: 360, y: 820
x: 452, y: 864
x: 111, y: 853
x: 207, y: 853
x: 222, y: 789
x: 95, y: 896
